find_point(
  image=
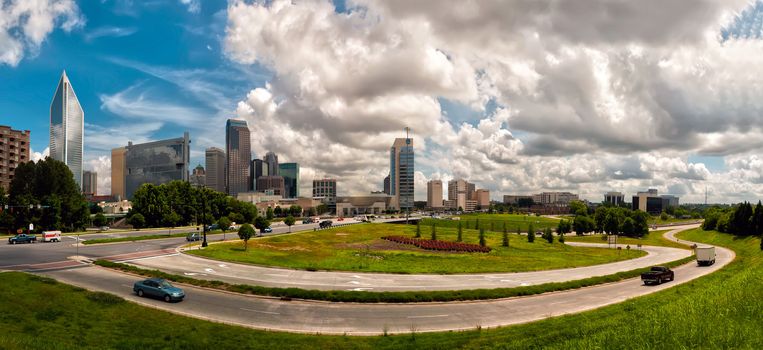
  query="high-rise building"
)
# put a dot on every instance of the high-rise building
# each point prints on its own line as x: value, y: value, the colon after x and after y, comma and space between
x: 239, y: 156
x: 199, y: 176
x: 259, y: 168
x: 157, y: 162
x: 482, y: 196
x: 273, y: 185
x: 401, y: 173
x: 614, y: 198
x: 471, y: 191
x: 290, y: 174
x: 434, y: 194
x: 89, y: 183
x: 386, y: 185
x: 118, y: 173
x: 325, y: 189
x: 457, y: 193
x: 272, y: 160
x: 67, y: 123
x: 14, y: 150
x: 214, y: 159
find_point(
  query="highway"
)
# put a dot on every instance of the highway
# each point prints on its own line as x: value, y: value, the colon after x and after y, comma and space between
x: 367, y: 319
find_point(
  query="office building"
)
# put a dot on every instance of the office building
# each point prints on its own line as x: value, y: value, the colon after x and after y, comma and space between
x: 554, y: 198
x: 157, y: 162
x: 67, y: 123
x: 118, y: 173
x: 325, y: 189
x: 457, y: 194
x: 614, y: 198
x: 90, y: 183
x: 471, y: 191
x: 258, y: 169
x: 199, y: 176
x: 362, y: 205
x: 272, y: 160
x: 652, y: 203
x: 401, y: 173
x: 272, y: 185
x: 386, y: 185
x: 239, y: 156
x: 434, y: 194
x: 482, y: 197
x: 290, y: 174
x: 515, y: 199
x: 14, y: 150
x: 214, y: 159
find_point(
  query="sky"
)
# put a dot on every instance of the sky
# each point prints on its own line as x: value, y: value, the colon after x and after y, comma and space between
x: 516, y: 96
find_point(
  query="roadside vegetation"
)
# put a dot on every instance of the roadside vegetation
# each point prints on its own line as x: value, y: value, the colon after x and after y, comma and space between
x: 495, y: 222
x: 135, y: 238
x: 654, y: 238
x: 361, y: 248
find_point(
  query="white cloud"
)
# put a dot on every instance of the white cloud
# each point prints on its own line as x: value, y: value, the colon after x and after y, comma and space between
x: 38, y: 156
x: 134, y: 103
x: 194, y: 6
x: 108, y: 31
x: 24, y: 25
x: 102, y: 166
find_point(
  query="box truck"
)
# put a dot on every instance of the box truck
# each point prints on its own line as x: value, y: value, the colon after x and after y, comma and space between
x: 51, y: 236
x: 705, y: 255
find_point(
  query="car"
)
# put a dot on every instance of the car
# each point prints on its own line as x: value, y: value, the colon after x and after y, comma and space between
x: 158, y: 288
x: 657, y: 275
x: 266, y: 230
x: 103, y: 228
x: 193, y: 236
x: 213, y: 227
x: 325, y: 224
x: 22, y: 238
x: 308, y: 221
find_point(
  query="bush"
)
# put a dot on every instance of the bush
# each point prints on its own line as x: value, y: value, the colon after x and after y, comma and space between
x: 439, y: 245
x: 482, y: 237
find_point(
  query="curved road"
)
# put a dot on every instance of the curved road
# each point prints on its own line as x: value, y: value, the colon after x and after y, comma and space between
x: 197, y: 267
x: 368, y: 319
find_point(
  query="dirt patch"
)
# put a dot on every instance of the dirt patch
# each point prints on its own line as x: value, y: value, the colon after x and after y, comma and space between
x: 342, y: 234
x: 284, y: 249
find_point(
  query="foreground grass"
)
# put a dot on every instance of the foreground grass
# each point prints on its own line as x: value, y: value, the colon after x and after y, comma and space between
x: 386, y: 297
x: 654, y: 238
x: 495, y: 222
x: 360, y: 248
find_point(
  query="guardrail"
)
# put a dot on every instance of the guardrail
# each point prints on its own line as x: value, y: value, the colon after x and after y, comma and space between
x: 336, y: 225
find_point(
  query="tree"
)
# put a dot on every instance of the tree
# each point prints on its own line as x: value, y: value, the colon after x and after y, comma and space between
x: 237, y: 218
x: 460, y: 237
x: 583, y: 225
x: 505, y: 242
x: 611, y: 223
x: 289, y: 221
x: 564, y: 226
x: 757, y: 220
x: 245, y: 232
x: 664, y: 216
x: 629, y: 227
x: 530, y: 233
x: 224, y: 223
x: 99, y: 220
x: 482, y: 237
x: 434, y: 232
x: 311, y: 211
x: 477, y: 224
x: 599, y: 217
x: 548, y: 236
x: 171, y: 219
x: 269, y: 214
x: 561, y: 238
x: 418, y: 229
x: 322, y: 209
x: 278, y: 211
x: 578, y: 208
x: 137, y: 221
x: 261, y: 223
x: 295, y: 210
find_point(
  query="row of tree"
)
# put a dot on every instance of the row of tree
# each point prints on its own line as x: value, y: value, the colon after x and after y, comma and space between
x: 610, y: 220
x: 742, y: 219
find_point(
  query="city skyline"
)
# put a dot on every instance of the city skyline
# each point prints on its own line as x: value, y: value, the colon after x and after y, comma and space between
x: 515, y: 128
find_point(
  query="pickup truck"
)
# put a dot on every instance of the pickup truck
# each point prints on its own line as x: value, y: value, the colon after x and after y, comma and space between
x: 22, y: 238
x: 657, y: 275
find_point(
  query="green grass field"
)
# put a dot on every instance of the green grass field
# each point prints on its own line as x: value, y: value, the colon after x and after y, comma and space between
x: 653, y: 238
x: 718, y: 311
x: 359, y: 248
x: 495, y: 222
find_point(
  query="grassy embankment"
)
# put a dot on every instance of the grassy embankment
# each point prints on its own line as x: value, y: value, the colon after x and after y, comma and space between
x: 653, y: 238
x: 718, y: 311
x: 360, y: 248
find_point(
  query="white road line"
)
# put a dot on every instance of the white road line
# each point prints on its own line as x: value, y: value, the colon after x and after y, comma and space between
x: 148, y: 257
x: 428, y: 316
x: 260, y: 311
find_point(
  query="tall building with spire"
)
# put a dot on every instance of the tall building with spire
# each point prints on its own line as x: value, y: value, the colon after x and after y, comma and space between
x: 67, y: 123
x: 401, y: 173
x: 239, y: 156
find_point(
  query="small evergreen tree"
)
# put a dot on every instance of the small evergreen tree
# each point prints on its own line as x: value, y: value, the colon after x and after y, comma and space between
x: 505, y: 238
x: 519, y: 230
x: 477, y: 224
x: 548, y: 236
x: 434, y: 232
x: 530, y: 233
x: 245, y: 232
x: 482, y: 237
x: 418, y: 229
x: 460, y: 233
x: 561, y: 238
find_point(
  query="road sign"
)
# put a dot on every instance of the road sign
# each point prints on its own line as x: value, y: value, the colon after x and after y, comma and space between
x: 31, y: 227
x: 612, y: 239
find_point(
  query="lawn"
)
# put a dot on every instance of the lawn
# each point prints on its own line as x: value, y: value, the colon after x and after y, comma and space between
x: 654, y: 238
x: 495, y: 222
x: 718, y: 311
x: 359, y: 248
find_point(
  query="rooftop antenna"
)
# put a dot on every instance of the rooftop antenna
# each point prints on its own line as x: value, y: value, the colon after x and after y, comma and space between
x: 407, y: 130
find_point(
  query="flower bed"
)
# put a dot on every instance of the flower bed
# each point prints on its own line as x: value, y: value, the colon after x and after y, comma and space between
x: 429, y: 244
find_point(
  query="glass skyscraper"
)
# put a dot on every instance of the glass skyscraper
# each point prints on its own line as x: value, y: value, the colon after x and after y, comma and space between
x: 156, y: 162
x: 67, y: 123
x: 290, y: 174
x: 239, y: 156
x: 401, y: 173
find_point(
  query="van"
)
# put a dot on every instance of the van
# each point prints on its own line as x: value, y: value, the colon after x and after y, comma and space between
x: 705, y: 255
x: 51, y: 236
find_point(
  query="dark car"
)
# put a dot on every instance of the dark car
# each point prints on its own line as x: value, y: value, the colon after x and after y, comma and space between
x: 192, y: 237
x: 22, y: 238
x: 325, y: 224
x: 266, y: 230
x: 308, y: 221
x: 657, y: 275
x: 158, y: 288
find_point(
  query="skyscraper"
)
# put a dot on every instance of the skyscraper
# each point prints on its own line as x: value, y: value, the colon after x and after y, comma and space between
x: 434, y: 194
x: 259, y: 169
x: 290, y: 174
x: 157, y: 162
x: 386, y: 185
x: 215, y: 162
x: 67, y: 122
x: 199, y: 176
x: 272, y: 160
x: 239, y: 156
x: 90, y: 183
x: 118, y: 173
x: 401, y: 173
x: 14, y: 150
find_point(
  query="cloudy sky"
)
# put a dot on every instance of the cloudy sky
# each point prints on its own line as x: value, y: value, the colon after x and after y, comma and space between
x: 517, y: 96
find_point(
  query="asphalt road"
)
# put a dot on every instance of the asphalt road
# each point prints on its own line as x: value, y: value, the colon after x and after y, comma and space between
x: 366, y: 319
x: 183, y: 264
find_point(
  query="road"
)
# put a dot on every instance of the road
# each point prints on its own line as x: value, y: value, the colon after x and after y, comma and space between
x: 183, y: 264
x: 366, y: 319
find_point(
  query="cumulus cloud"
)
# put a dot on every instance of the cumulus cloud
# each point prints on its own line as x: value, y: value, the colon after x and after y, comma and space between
x: 38, y: 156
x: 194, y: 6
x: 102, y: 166
x: 24, y: 25
x: 590, y: 96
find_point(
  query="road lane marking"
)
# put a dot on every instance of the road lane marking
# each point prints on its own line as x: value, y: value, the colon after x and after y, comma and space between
x: 209, y: 270
x: 428, y: 316
x: 260, y: 311
x: 222, y: 265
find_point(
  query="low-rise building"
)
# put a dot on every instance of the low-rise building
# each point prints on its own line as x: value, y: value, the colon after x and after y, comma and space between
x: 614, y: 198
x: 119, y: 207
x: 652, y: 203
x: 361, y: 205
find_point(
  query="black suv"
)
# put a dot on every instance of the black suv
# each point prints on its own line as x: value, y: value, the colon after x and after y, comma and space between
x: 325, y: 224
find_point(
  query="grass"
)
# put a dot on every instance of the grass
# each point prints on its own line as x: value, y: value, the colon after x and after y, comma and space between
x: 145, y: 237
x: 359, y: 248
x: 654, y: 238
x: 495, y: 222
x: 670, y: 220
x: 386, y: 297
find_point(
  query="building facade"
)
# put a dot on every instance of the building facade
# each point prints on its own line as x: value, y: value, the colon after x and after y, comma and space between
x: 515, y: 199
x: 614, y: 198
x: 482, y: 197
x: 325, y: 189
x: 214, y: 159
x: 273, y: 185
x: 239, y: 156
x: 14, y: 150
x: 434, y: 194
x: 386, y: 185
x: 199, y: 176
x: 290, y: 174
x: 156, y: 162
x: 363, y: 205
x: 554, y: 198
x: 272, y: 160
x: 67, y: 128
x: 458, y: 193
x: 118, y: 173
x: 401, y: 173
x: 652, y: 203
x: 259, y: 168
x: 90, y: 183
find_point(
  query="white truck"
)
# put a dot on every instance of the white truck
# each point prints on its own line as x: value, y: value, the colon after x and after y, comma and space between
x: 51, y: 236
x: 705, y: 255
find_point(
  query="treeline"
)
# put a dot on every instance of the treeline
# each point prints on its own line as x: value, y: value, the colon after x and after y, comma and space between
x: 609, y: 220
x: 741, y: 220
x: 43, y: 194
